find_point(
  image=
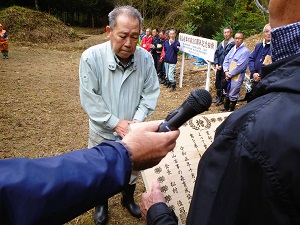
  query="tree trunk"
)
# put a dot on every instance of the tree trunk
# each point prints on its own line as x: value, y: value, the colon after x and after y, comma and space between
x: 36, y: 3
x: 93, y: 21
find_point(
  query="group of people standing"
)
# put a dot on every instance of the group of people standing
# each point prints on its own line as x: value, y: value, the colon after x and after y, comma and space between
x: 232, y: 58
x: 164, y: 48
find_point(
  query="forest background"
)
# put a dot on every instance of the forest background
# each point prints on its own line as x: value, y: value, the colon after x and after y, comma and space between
x: 205, y: 18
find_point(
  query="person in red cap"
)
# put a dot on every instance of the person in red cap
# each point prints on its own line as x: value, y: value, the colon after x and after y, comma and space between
x: 3, y: 42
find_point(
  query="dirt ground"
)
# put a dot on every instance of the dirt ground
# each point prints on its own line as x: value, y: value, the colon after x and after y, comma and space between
x: 41, y: 113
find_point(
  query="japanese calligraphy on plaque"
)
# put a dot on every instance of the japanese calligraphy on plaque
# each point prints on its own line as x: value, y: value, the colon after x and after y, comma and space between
x: 178, y: 170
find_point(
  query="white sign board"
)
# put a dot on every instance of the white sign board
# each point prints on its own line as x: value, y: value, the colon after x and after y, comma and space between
x: 200, y: 47
x: 197, y: 46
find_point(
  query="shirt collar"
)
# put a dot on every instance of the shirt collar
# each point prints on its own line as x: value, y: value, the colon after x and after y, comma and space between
x: 285, y: 41
x: 236, y: 48
x: 121, y: 64
x: 229, y: 41
x: 170, y: 42
x: 264, y: 43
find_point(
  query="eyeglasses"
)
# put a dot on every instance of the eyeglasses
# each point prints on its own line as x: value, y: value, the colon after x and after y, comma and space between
x: 263, y: 5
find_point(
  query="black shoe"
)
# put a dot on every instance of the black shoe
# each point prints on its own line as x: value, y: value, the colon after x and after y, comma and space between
x: 162, y: 82
x: 167, y: 84
x: 226, y: 105
x: 101, y: 214
x: 232, y: 106
x: 173, y: 87
x: 127, y: 201
x: 218, y: 96
x: 220, y: 101
x: 217, y: 99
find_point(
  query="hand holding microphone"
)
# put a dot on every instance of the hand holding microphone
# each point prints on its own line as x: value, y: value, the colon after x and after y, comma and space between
x: 198, y: 101
x: 147, y: 149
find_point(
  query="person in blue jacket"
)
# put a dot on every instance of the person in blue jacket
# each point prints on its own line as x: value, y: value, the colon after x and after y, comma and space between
x: 260, y: 56
x: 171, y: 48
x: 56, y: 189
x: 250, y: 174
x: 223, y: 48
x: 234, y: 66
x: 155, y: 47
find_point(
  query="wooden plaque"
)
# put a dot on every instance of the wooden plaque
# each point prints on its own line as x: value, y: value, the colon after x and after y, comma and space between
x: 178, y: 170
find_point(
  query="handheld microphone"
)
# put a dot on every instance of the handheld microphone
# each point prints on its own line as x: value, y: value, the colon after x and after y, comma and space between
x: 198, y: 101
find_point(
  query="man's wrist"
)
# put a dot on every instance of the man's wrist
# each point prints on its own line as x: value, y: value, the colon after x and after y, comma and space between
x: 159, y: 210
x: 129, y: 151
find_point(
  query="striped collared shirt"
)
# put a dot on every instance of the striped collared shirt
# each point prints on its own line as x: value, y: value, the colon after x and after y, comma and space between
x: 285, y: 41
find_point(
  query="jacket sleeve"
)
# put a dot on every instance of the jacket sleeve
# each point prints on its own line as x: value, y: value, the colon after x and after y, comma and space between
x: 242, y: 63
x: 160, y: 213
x: 92, y: 102
x: 251, y: 63
x: 56, y: 189
x: 150, y: 92
x: 226, y: 62
x: 175, y: 46
x: 217, y: 54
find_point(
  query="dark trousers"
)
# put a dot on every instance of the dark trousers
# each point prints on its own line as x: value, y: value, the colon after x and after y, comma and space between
x: 156, y: 57
x: 220, y: 75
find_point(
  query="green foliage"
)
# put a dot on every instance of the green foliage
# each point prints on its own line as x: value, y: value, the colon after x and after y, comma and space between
x: 190, y: 28
x: 210, y: 17
x: 206, y: 15
x: 248, y: 18
x: 218, y: 36
x: 245, y: 17
x: 204, y: 18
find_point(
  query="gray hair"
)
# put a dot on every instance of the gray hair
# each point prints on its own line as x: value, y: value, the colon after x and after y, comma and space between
x: 265, y: 27
x: 172, y: 29
x: 228, y: 28
x: 127, y: 10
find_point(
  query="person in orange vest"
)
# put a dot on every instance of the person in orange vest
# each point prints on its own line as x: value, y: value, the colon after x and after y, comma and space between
x: 3, y: 42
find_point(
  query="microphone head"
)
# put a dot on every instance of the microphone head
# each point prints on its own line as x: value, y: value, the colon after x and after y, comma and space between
x: 200, y: 100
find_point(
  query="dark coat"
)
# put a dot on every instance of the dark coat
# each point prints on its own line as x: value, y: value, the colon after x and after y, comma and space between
x: 171, y: 51
x: 222, y: 51
x: 257, y: 57
x: 157, y: 42
x: 251, y: 172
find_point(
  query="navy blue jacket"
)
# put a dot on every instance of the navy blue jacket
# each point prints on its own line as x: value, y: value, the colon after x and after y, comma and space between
x: 222, y: 51
x: 157, y: 42
x: 255, y: 177
x: 257, y: 58
x: 57, y: 189
x: 171, y: 51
